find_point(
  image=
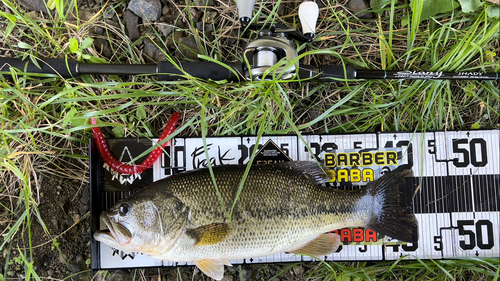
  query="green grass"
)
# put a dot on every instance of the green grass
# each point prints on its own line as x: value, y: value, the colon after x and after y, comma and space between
x: 44, y: 120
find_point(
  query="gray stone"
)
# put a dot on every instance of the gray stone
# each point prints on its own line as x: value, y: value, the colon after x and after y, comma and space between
x: 109, y: 14
x: 131, y: 22
x: 356, y: 6
x: 247, y: 273
x: 152, y: 51
x: 85, y: 199
x: 173, y: 39
x: 203, y: 3
x: 148, y: 10
x: 204, y: 27
x: 98, y: 30
x: 298, y: 270
x: 118, y: 275
x: 188, y: 47
x: 165, y: 29
x: 74, y: 268
x: 35, y: 5
x: 101, y: 45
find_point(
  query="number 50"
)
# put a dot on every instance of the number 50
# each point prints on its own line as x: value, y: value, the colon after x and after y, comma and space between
x: 476, y: 239
x: 477, y: 149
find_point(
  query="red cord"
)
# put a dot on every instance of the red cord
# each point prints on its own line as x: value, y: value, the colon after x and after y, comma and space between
x: 107, y: 156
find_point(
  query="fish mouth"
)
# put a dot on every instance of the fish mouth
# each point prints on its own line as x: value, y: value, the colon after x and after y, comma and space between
x: 116, y: 233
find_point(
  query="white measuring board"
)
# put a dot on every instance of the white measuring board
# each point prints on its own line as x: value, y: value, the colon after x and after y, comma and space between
x: 457, y: 204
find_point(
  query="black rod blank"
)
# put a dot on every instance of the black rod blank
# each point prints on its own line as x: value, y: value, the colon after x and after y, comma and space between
x: 167, y: 71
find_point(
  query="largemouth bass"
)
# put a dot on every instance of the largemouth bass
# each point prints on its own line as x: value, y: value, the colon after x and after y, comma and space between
x: 281, y: 208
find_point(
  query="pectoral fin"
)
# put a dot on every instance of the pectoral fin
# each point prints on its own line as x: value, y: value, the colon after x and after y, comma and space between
x: 212, y: 268
x: 209, y: 234
x: 321, y: 246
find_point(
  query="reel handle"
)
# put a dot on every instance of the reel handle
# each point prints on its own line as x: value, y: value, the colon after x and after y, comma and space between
x: 245, y: 8
x: 308, y: 16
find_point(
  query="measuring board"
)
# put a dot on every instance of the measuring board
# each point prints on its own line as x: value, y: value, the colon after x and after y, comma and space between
x: 457, y: 205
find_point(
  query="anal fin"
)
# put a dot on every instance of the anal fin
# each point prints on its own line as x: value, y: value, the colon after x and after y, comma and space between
x: 209, y: 234
x: 212, y: 268
x: 322, y: 245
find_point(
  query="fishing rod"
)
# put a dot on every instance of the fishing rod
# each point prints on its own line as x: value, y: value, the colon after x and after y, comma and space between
x: 270, y: 55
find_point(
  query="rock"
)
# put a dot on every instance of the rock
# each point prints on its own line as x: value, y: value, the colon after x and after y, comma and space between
x: 35, y: 5
x: 152, y: 51
x: 203, y: 3
x: 165, y: 29
x: 109, y: 13
x: 173, y: 39
x: 165, y: 10
x: 188, y: 47
x: 298, y: 270
x: 204, y: 27
x: 101, y: 45
x: 74, y: 268
x: 148, y: 10
x: 118, y: 275
x: 85, y: 199
x: 98, y: 30
x: 83, y: 209
x: 246, y: 273
x: 210, y: 17
x: 132, y: 25
x: 356, y: 6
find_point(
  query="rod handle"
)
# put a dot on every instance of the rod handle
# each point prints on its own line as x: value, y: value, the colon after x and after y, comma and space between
x: 61, y: 67
x: 336, y: 72
x: 201, y: 69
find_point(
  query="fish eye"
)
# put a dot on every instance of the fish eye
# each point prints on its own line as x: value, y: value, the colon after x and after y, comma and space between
x: 124, y: 208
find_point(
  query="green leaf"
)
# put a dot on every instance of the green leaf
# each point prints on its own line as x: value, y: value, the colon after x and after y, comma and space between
x: 93, y: 59
x: 69, y: 116
x: 118, y: 131
x: 51, y: 4
x: 9, y: 29
x: 23, y: 45
x: 433, y: 7
x: 10, y: 17
x: 469, y: 6
x: 141, y: 113
x: 73, y: 45
x: 476, y: 126
x: 493, y: 11
x: 87, y: 43
x: 404, y: 22
x: 60, y: 8
x: 55, y: 244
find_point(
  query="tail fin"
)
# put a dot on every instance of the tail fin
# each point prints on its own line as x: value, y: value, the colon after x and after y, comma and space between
x: 394, y: 217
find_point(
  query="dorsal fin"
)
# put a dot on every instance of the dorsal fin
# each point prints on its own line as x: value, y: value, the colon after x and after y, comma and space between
x: 316, y: 173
